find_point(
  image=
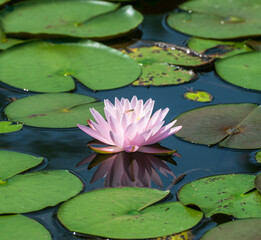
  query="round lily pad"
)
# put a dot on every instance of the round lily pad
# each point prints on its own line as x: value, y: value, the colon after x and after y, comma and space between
x: 77, y: 18
x: 126, y: 213
x: 218, y: 49
x: 224, y: 194
x: 13, y: 163
x: 242, y: 70
x: 229, y: 125
x: 22, y: 228
x: 224, y: 19
x: 53, y: 110
x: 45, y: 66
x: 236, y: 230
x: 35, y: 191
x: 7, y: 127
x: 258, y: 182
x: 258, y: 156
x: 9, y: 42
x: 198, y: 96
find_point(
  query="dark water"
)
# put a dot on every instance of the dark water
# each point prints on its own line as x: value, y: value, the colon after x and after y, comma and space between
x: 66, y: 147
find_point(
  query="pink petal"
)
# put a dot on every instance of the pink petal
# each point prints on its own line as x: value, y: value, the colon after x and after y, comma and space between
x: 156, y: 150
x: 131, y: 148
x: 106, y: 150
x: 117, y: 139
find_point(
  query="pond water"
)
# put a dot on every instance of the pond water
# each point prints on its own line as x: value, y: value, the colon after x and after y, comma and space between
x: 65, y: 148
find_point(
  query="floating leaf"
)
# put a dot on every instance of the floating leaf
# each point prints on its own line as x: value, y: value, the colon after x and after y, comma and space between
x: 86, y: 19
x: 258, y: 182
x: 198, y: 96
x: 230, y: 125
x: 22, y: 228
x: 258, y: 156
x: 226, y: 194
x: 187, y: 235
x: 7, y: 127
x: 221, y: 20
x: 242, y: 70
x: 236, y: 230
x: 35, y: 191
x: 126, y: 213
x: 53, y: 110
x: 13, y: 163
x: 3, y: 1
x: 215, y: 48
x: 46, y: 66
x: 158, y: 74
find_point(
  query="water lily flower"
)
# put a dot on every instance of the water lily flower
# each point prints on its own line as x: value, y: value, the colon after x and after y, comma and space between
x: 129, y: 126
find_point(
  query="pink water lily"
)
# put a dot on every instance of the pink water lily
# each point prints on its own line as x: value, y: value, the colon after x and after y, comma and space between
x: 129, y: 126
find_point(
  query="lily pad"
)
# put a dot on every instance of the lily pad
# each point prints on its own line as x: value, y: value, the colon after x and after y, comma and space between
x: 258, y: 156
x: 218, y: 49
x: 3, y: 1
x: 9, y: 42
x: 53, y: 110
x: 7, y: 127
x: 76, y: 18
x: 126, y: 213
x: 224, y: 194
x: 45, y: 66
x: 187, y: 235
x: 242, y: 70
x: 13, y: 163
x: 224, y: 19
x: 35, y: 191
x: 22, y: 228
x: 229, y: 125
x: 198, y: 96
x: 258, y: 182
x: 158, y: 74
x: 236, y: 230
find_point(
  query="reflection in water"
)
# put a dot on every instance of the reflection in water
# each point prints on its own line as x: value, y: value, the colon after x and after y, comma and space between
x: 129, y: 169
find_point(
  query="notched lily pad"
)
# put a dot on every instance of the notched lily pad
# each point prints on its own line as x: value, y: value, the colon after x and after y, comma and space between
x: 22, y: 228
x: 35, y: 191
x: 229, y: 125
x: 7, y: 127
x: 13, y: 163
x: 224, y: 19
x: 53, y: 110
x: 198, y: 96
x: 102, y: 213
x: 236, y: 230
x: 258, y: 182
x: 229, y: 194
x: 241, y: 70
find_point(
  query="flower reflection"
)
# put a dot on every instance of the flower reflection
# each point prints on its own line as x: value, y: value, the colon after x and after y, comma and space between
x: 129, y: 169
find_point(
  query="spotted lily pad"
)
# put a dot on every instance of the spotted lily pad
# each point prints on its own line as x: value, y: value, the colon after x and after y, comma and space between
x: 45, y: 66
x: 86, y: 19
x: 225, y: 194
x: 7, y: 127
x: 224, y: 19
x: 242, y: 70
x: 198, y: 96
x: 236, y: 230
x: 13, y: 163
x: 102, y: 213
x: 22, y: 228
x: 229, y: 125
x: 35, y: 191
x: 219, y: 49
x: 258, y: 182
x: 53, y: 110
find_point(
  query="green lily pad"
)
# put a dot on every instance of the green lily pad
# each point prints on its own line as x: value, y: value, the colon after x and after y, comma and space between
x: 45, y: 66
x: 224, y: 194
x: 22, y: 228
x: 258, y: 182
x: 76, y: 18
x: 217, y: 49
x: 7, y: 127
x: 242, y: 70
x: 160, y: 74
x: 53, y: 110
x: 236, y: 230
x: 186, y: 235
x: 220, y: 20
x: 13, y: 163
x: 198, y: 96
x: 229, y: 125
x: 9, y: 42
x: 3, y: 1
x: 258, y: 156
x: 126, y: 213
x: 35, y: 191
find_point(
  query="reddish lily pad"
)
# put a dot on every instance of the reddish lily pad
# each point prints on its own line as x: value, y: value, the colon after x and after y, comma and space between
x: 198, y: 96
x: 229, y: 125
